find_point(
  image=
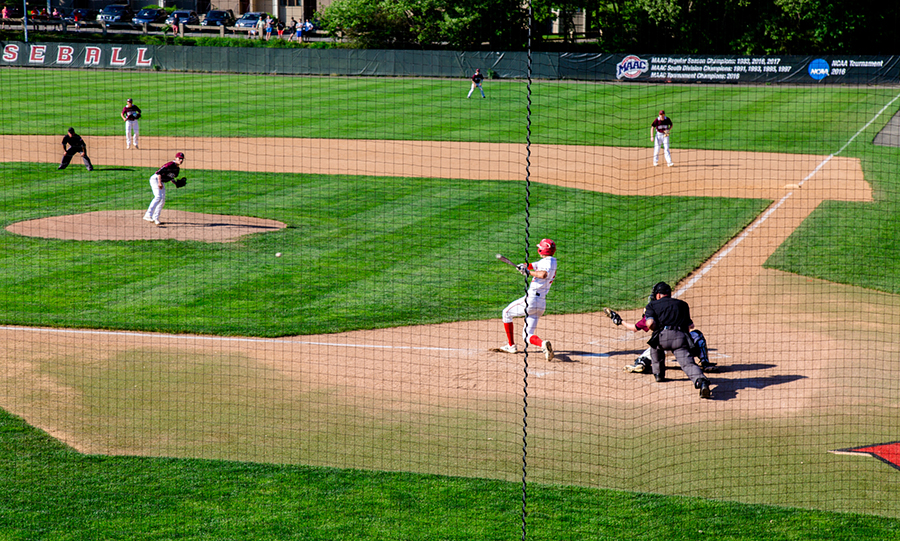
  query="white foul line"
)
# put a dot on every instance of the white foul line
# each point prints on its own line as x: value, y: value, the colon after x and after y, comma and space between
x: 224, y: 339
x: 706, y: 268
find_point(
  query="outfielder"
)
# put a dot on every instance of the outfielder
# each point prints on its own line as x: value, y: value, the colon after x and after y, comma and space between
x: 166, y: 173
x: 476, y: 82
x: 75, y: 144
x: 532, y: 305
x: 659, y: 136
x: 130, y: 114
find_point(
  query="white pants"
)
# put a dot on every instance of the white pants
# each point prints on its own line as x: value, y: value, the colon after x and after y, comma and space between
x: 662, y: 140
x: 159, y: 198
x: 131, y: 133
x: 536, y: 307
x: 474, y: 84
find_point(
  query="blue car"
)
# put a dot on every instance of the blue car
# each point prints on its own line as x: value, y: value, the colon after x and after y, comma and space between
x: 149, y: 16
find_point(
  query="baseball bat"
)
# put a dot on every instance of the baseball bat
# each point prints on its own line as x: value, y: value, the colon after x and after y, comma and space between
x: 505, y: 260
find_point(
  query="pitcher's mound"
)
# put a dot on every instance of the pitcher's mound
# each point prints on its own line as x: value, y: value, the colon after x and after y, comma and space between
x: 130, y: 225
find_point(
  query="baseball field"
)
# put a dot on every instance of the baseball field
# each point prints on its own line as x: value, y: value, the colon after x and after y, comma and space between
x: 351, y: 383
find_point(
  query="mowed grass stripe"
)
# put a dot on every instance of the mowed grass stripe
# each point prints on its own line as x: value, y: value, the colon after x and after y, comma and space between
x: 360, y: 252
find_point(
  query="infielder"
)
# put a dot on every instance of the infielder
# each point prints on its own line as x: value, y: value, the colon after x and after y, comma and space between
x: 659, y: 136
x: 130, y: 114
x: 166, y: 173
x: 476, y: 82
x: 75, y: 144
x: 542, y: 274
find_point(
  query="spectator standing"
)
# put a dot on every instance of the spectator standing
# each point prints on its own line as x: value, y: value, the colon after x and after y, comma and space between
x: 261, y: 26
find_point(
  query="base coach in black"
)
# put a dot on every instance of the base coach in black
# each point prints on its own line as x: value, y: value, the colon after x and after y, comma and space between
x: 670, y: 321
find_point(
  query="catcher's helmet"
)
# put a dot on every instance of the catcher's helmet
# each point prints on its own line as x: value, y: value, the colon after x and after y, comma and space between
x: 180, y: 155
x: 546, y: 247
x: 661, y: 288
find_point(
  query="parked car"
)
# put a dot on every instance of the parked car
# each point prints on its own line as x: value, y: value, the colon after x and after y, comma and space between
x: 85, y: 16
x: 115, y: 14
x: 184, y: 17
x: 219, y: 18
x: 149, y: 16
x: 249, y: 19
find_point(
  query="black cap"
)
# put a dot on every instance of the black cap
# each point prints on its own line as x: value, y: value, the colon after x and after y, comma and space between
x: 662, y: 288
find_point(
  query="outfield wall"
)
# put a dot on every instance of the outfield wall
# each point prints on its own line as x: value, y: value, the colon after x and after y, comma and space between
x: 506, y: 65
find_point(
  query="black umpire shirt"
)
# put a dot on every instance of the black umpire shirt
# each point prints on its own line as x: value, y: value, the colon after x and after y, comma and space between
x: 75, y: 142
x: 669, y: 312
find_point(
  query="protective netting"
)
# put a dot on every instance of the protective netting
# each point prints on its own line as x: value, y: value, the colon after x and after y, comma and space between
x: 324, y: 291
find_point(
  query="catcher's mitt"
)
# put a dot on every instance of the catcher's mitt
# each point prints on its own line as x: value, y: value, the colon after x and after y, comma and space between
x: 179, y: 182
x: 616, y: 318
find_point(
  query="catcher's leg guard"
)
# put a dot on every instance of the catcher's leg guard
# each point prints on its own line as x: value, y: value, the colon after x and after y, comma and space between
x: 700, y: 349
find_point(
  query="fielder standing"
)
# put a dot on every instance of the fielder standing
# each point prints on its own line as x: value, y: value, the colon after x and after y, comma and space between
x: 476, y: 82
x: 75, y: 144
x: 533, y: 304
x: 166, y: 173
x: 659, y: 135
x: 130, y: 114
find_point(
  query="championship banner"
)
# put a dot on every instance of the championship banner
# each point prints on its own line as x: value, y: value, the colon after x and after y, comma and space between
x: 752, y: 69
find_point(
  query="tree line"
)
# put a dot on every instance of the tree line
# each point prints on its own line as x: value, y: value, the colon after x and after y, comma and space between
x: 744, y: 27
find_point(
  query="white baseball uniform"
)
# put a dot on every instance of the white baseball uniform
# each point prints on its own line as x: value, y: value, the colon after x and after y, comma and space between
x: 661, y: 127
x: 535, y: 298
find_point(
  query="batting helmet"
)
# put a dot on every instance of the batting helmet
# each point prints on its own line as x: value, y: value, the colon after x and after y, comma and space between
x: 546, y: 247
x: 661, y: 288
x: 180, y: 155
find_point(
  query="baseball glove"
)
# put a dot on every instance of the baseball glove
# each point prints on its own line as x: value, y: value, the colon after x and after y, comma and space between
x: 179, y: 182
x: 616, y: 318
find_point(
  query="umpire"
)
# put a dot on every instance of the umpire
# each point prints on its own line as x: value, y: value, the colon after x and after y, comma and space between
x: 670, y: 321
x: 72, y: 143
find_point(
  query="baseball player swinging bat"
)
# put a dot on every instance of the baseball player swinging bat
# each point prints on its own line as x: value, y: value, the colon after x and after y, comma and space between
x: 521, y: 267
x: 505, y: 260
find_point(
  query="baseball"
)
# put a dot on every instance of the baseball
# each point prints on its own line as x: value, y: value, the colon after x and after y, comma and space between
x: 278, y: 254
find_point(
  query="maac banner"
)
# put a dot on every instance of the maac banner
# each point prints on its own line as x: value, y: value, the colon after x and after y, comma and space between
x: 76, y: 55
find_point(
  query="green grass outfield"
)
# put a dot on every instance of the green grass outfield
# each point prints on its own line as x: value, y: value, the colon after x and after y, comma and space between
x: 851, y: 243
x: 51, y: 492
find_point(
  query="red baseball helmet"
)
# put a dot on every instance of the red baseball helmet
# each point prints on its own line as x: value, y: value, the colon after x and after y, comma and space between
x: 546, y: 247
